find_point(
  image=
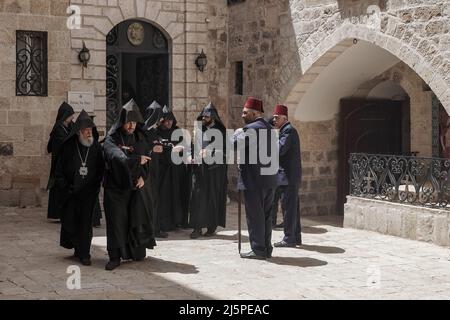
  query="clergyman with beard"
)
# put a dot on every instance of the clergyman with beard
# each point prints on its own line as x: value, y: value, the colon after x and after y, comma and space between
x: 78, y: 175
x: 209, y: 178
x: 129, y: 229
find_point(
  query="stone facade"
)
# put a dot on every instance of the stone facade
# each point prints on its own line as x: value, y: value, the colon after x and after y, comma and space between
x: 401, y: 220
x: 284, y: 46
x: 25, y: 121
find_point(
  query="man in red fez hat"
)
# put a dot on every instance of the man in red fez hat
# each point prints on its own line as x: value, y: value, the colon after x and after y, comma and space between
x: 258, y: 186
x: 289, y: 177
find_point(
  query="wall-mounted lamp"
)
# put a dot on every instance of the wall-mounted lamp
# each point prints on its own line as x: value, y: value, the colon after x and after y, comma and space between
x: 84, y: 55
x: 201, y: 61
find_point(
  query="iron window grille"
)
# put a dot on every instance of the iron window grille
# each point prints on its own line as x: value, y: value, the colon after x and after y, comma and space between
x: 31, y: 63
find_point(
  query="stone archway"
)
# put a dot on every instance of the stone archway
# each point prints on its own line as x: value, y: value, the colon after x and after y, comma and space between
x: 320, y: 144
x: 137, y: 66
x: 342, y: 39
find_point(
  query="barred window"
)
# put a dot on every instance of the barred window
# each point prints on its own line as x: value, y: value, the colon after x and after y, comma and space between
x: 31, y: 63
x: 239, y: 78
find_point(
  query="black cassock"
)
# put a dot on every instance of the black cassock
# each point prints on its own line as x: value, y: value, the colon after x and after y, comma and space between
x: 209, y: 182
x: 57, y: 136
x: 128, y: 210
x: 172, y: 185
x: 78, y: 193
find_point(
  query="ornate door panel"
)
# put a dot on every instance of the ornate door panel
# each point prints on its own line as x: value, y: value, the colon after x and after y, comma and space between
x: 137, y: 66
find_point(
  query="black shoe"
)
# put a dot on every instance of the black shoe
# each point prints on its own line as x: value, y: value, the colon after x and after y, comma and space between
x: 85, y: 261
x: 196, y: 234
x: 210, y: 232
x: 284, y: 244
x: 298, y: 242
x: 139, y: 259
x: 112, y: 264
x: 269, y: 255
x: 252, y: 255
x: 162, y: 234
x: 280, y: 225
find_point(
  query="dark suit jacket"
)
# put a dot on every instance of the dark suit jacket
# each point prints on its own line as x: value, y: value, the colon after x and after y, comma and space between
x: 289, y: 149
x: 250, y: 177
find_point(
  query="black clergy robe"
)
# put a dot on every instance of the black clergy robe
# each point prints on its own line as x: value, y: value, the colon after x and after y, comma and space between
x: 58, y: 135
x: 172, y: 185
x: 209, y: 188
x: 128, y: 210
x: 78, y: 194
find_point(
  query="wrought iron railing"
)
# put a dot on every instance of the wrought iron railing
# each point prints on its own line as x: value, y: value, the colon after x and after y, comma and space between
x: 404, y: 179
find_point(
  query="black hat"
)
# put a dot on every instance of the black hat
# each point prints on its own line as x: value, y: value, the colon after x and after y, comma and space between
x: 154, y: 113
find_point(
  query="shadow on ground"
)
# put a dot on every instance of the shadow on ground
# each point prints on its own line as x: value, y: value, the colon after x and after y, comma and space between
x: 321, y: 249
x: 298, y: 262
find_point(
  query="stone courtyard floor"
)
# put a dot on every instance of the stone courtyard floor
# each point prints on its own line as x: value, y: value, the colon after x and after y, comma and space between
x: 333, y: 263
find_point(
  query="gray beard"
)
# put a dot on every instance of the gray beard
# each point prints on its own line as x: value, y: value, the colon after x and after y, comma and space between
x: 86, y: 142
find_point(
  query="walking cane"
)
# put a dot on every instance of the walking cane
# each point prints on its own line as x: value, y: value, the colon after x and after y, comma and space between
x: 239, y: 221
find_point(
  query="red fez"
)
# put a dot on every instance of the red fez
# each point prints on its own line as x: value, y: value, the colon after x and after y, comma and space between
x: 254, y: 104
x: 281, y: 110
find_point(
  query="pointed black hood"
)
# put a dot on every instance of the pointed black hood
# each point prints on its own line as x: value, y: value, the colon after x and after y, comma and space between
x: 84, y: 121
x: 154, y: 113
x: 129, y: 113
x: 65, y: 110
x: 167, y: 114
x: 211, y: 111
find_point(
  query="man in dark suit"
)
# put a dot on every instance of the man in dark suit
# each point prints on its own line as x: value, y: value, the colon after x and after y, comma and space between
x: 289, y: 177
x: 256, y: 178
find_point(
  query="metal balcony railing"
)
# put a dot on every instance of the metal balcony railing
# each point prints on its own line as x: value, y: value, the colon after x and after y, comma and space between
x: 403, y: 179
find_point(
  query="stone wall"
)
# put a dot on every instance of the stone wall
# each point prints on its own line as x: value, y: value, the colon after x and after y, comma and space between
x: 25, y: 121
x: 319, y: 145
x: 417, y: 33
x: 189, y: 32
x: 400, y: 220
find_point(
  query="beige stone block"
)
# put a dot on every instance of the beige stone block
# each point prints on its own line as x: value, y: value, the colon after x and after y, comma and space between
x: 197, y: 37
x: 152, y: 10
x: 43, y: 117
x: 165, y: 18
x: 40, y: 7
x: 128, y: 9
x: 11, y: 133
x: 349, y: 216
x: 140, y: 8
x: 178, y: 90
x: 441, y: 225
x: 94, y: 73
x: 409, y: 225
x: 7, y: 88
x: 58, y: 88
x: 5, y: 103
x: 197, y: 90
x: 394, y: 222
x: 35, y: 132
x: 5, y: 181
x: 3, y: 116
x: 177, y: 62
x: 175, y: 29
x: 100, y: 88
x: 19, y: 118
x: 102, y: 24
x: 27, y: 148
x: 98, y: 58
x: 9, y: 198
x: 8, y: 21
x: 114, y: 15
x: 424, y: 227
x: 59, y: 7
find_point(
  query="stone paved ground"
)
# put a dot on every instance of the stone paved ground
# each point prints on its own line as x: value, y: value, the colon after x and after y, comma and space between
x: 333, y: 263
